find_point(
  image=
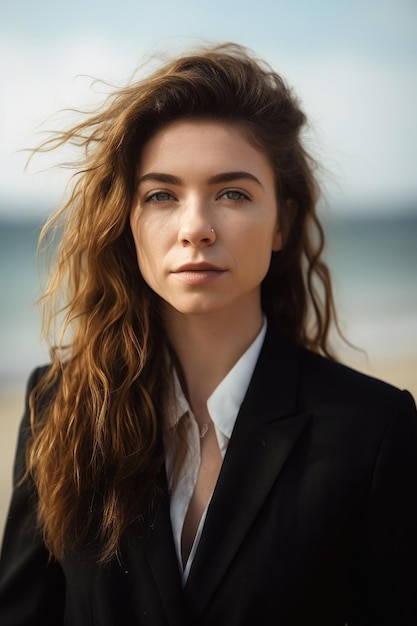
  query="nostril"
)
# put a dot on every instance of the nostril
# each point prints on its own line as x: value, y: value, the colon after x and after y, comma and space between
x: 196, y: 235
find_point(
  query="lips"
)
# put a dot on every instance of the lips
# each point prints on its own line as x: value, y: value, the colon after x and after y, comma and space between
x: 195, y: 274
x: 198, y: 267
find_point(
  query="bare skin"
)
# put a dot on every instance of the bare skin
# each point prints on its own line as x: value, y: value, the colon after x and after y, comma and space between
x: 211, y: 462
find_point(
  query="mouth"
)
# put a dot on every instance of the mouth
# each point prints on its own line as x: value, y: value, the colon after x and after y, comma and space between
x: 198, y: 267
x: 198, y: 273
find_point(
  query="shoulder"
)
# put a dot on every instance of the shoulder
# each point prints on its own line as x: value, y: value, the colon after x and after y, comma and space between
x: 34, y: 379
x: 36, y: 376
x: 319, y: 374
x: 25, y: 428
x: 361, y: 406
x: 330, y: 386
x: 355, y: 411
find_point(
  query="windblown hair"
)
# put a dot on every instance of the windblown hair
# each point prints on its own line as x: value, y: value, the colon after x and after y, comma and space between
x: 96, y: 450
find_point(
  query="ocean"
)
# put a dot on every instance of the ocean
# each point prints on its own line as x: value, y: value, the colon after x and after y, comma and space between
x: 374, y: 268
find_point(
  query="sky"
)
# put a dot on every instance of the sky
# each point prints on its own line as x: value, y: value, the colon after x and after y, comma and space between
x: 353, y: 65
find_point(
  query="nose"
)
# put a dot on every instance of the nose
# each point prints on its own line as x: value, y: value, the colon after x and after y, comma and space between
x: 195, y: 228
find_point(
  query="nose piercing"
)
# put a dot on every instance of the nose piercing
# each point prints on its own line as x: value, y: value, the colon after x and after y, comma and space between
x: 212, y: 230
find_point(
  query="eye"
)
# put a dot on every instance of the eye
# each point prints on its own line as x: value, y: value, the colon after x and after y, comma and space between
x: 235, y: 195
x: 159, y: 196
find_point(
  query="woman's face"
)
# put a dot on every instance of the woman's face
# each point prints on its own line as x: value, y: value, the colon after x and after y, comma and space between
x: 204, y: 217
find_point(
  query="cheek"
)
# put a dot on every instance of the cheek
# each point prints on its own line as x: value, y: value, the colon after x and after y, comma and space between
x: 150, y: 256
x: 140, y: 244
x: 260, y: 237
x: 140, y: 232
x: 133, y: 220
x: 145, y: 258
x: 257, y: 252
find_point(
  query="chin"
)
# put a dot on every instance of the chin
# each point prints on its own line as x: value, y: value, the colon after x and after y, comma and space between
x: 198, y: 308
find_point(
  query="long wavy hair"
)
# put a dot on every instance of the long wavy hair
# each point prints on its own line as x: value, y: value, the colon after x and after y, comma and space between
x: 96, y: 451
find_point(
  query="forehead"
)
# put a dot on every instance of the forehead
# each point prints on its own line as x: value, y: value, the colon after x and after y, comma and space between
x: 202, y: 143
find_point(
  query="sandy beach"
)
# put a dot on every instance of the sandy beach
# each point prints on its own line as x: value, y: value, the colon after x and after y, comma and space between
x: 11, y: 411
x: 397, y: 370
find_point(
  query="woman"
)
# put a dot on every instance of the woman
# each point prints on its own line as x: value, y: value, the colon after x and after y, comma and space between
x: 194, y: 454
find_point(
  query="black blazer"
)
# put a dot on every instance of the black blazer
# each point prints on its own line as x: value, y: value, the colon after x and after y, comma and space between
x: 313, y: 520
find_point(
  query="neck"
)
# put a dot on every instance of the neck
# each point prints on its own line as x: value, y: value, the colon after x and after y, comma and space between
x: 208, y: 346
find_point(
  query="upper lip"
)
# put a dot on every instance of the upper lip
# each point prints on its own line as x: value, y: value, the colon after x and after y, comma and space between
x: 198, y: 267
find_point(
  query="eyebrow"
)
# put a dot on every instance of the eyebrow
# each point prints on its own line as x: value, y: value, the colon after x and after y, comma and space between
x: 223, y: 177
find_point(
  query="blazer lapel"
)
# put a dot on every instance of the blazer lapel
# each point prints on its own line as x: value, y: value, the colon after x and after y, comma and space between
x: 266, y: 431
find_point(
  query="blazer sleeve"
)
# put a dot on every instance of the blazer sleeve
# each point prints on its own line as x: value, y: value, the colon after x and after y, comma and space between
x: 386, y: 580
x: 32, y: 588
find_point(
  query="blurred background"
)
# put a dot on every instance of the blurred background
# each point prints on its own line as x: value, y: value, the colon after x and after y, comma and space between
x: 354, y: 67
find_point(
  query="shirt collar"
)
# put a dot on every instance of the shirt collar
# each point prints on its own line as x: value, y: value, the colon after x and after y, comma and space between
x: 224, y: 403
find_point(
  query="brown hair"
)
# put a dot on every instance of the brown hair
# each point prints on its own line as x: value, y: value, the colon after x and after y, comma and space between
x: 96, y: 451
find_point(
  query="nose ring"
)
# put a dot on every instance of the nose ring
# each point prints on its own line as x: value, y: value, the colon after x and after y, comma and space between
x: 212, y: 230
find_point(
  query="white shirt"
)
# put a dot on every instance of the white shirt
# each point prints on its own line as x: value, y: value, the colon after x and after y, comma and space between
x: 223, y: 406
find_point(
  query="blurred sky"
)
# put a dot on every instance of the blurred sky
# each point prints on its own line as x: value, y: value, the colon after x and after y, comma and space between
x: 354, y: 65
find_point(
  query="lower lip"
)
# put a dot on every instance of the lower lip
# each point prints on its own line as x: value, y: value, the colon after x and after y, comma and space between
x: 198, y: 277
